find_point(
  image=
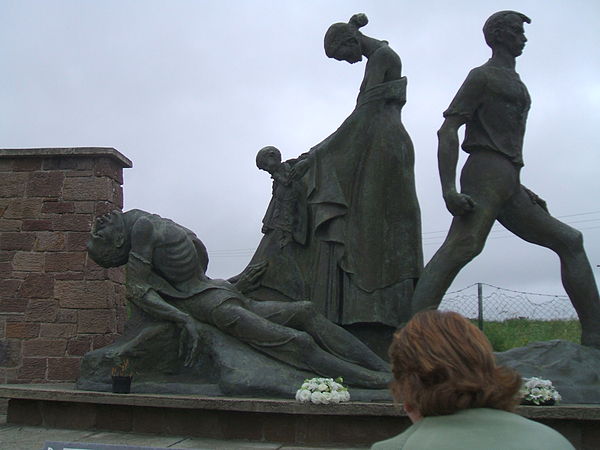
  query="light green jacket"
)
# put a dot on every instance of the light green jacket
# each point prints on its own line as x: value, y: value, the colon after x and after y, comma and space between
x: 489, y: 429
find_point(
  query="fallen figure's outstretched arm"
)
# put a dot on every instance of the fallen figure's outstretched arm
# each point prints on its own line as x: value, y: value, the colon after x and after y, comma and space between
x: 153, y: 304
x: 142, y: 293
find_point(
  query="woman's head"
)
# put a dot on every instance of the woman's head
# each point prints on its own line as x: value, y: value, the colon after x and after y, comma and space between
x: 342, y: 40
x: 442, y: 363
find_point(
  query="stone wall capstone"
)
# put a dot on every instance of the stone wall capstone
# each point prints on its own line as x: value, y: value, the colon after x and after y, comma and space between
x: 56, y: 304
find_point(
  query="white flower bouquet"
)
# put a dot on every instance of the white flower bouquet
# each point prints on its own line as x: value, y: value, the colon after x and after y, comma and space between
x: 537, y: 391
x: 323, y: 390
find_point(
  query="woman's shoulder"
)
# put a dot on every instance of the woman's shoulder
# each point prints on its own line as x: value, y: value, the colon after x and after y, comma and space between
x: 488, y: 426
x: 397, y: 442
x: 384, y: 51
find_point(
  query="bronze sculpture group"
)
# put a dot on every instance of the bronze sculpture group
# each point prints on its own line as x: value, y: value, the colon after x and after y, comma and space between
x: 342, y: 234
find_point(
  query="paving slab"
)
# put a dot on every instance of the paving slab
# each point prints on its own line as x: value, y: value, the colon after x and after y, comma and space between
x: 16, y: 437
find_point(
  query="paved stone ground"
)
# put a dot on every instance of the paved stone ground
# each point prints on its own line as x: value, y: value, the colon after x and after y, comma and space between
x: 16, y: 437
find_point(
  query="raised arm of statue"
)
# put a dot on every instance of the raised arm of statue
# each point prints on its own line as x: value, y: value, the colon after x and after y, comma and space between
x: 301, y: 165
x: 249, y: 279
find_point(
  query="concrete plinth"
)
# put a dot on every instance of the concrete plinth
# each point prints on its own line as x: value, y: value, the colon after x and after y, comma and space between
x: 262, y: 420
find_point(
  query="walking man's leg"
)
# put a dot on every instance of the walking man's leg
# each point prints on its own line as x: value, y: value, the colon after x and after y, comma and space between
x: 531, y: 222
x: 489, y: 180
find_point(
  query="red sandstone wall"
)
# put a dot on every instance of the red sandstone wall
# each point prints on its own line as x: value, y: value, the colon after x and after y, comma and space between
x: 55, y: 303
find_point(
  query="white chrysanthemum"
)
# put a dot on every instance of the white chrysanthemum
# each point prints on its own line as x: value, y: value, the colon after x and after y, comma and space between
x: 336, y: 397
x: 316, y: 397
x: 303, y: 395
x: 322, y: 390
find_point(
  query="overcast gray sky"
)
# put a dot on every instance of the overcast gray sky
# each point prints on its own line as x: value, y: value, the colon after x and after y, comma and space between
x: 190, y: 90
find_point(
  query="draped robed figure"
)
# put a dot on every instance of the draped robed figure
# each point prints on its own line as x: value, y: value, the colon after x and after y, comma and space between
x: 362, y: 254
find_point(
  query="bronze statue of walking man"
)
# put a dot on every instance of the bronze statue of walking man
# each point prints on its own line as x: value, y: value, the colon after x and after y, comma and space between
x: 493, y: 104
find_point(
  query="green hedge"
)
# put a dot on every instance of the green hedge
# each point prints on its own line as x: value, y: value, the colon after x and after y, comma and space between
x: 520, y: 332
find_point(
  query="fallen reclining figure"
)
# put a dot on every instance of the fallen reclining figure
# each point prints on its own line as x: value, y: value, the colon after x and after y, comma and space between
x: 166, y: 278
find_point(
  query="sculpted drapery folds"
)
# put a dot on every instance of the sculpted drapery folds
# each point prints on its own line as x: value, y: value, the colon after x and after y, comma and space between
x: 363, y: 250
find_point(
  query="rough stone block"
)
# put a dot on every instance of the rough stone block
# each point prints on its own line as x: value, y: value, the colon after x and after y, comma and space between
x: 6, y: 165
x: 10, y: 352
x: 94, y: 273
x: 16, y: 275
x: 28, y: 262
x: 84, y: 294
x: 5, y: 270
x: 117, y: 195
x: 33, y: 369
x: 103, y: 208
x: 27, y: 164
x: 13, y: 184
x: 11, y: 374
x: 68, y: 163
x: 79, y: 173
x: 37, y: 285
x: 79, y: 346
x: 45, y: 184
x: 117, y: 274
x: 57, y: 330
x: 37, y: 225
x: 65, y: 262
x: 103, y: 340
x: 23, y: 208
x: 57, y: 207
x: 87, y: 188
x: 99, y: 321
x: 77, y: 241
x: 86, y: 207
x: 70, y: 276
x: 63, y: 369
x: 73, y: 222
x: 66, y: 316
x: 50, y: 242
x: 44, y: 347
x: 7, y: 256
x: 17, y: 241
x: 9, y: 288
x: 105, y: 167
x: 10, y: 224
x: 13, y: 305
x: 22, y: 330
x: 41, y: 310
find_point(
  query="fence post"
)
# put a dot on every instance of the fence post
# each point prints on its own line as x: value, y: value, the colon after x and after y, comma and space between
x: 480, y: 305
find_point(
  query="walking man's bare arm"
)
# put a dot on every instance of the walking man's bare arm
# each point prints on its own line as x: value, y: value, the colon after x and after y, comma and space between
x: 448, y: 145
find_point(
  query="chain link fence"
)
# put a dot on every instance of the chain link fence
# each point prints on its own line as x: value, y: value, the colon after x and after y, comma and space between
x: 491, y: 303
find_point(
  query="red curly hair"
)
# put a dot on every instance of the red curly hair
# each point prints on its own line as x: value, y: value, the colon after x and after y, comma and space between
x: 442, y: 363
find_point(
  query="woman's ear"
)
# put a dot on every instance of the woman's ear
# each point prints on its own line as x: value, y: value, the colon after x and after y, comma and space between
x: 413, y: 414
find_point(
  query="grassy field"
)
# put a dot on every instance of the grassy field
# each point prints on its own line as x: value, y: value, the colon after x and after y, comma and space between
x: 519, y: 332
